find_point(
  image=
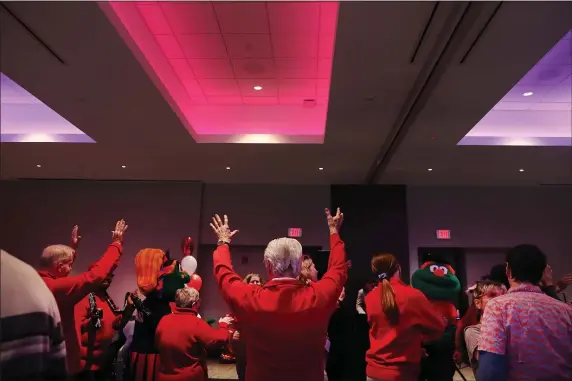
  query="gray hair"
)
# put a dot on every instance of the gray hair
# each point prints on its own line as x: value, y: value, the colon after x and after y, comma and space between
x: 55, y: 254
x: 282, y: 254
x: 186, y: 297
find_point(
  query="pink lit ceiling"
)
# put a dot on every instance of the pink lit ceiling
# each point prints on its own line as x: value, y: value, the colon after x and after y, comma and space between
x: 25, y: 119
x: 237, y: 72
x: 535, y: 112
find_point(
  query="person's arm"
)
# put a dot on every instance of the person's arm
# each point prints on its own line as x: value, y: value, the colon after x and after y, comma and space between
x: 431, y: 322
x: 329, y: 288
x: 472, y: 336
x: 210, y: 336
x: 550, y: 290
x: 77, y: 287
x: 492, y: 345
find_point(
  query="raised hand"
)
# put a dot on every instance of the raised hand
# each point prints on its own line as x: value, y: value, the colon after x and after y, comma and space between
x: 564, y: 282
x: 75, y: 237
x: 221, y: 229
x: 120, y: 229
x: 334, y: 222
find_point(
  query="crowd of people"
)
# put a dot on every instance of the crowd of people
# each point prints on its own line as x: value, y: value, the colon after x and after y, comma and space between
x: 294, y: 326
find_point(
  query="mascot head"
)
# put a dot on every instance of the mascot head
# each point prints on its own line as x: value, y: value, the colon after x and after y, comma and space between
x: 156, y: 272
x: 437, y: 281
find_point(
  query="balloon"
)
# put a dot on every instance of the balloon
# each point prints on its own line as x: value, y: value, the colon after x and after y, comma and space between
x: 196, y: 282
x: 187, y: 245
x: 189, y: 264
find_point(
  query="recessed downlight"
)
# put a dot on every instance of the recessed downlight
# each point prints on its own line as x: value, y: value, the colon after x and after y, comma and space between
x: 257, y: 88
x: 320, y: 169
x: 527, y: 94
x: 39, y: 165
x: 429, y: 169
x: 227, y: 168
x: 521, y: 170
x: 123, y: 166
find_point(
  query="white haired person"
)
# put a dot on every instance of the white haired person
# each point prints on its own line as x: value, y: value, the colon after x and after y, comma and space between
x: 284, y: 322
x: 32, y: 342
x: 56, y: 264
x: 182, y: 339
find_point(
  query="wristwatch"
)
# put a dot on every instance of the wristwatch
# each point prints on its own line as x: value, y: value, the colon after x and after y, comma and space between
x: 221, y: 242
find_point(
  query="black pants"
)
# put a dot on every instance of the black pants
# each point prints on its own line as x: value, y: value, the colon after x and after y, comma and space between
x: 92, y: 376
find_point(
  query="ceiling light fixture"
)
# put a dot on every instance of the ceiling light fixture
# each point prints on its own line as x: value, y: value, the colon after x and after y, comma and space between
x: 429, y: 169
x: 321, y: 169
x: 527, y: 94
x: 227, y: 168
x: 257, y: 88
x: 39, y: 165
x: 521, y: 170
x: 123, y: 166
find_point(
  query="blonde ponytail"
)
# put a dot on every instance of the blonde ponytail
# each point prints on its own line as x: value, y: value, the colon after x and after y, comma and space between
x: 388, y: 303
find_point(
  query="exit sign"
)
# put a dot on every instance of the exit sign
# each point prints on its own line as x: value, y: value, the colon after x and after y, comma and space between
x: 443, y: 234
x: 295, y: 232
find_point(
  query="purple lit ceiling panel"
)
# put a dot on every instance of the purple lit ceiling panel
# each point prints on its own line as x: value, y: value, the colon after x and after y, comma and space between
x: 537, y: 111
x: 26, y: 119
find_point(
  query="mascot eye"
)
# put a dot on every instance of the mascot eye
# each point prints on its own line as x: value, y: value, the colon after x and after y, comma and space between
x: 433, y: 268
x: 444, y: 269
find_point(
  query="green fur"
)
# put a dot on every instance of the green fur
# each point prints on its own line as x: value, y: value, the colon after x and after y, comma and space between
x: 434, y: 287
x: 173, y: 281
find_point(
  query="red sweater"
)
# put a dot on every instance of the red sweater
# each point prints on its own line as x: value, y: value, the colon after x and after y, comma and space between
x: 395, y: 351
x: 69, y: 290
x: 93, y: 342
x: 284, y: 322
x: 182, y: 339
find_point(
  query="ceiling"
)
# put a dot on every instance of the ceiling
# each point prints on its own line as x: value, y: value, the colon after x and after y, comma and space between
x: 167, y: 92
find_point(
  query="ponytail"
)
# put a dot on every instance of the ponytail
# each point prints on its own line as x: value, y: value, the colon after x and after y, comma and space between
x: 388, y: 303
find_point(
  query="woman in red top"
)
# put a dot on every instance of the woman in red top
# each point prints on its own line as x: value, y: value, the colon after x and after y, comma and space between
x: 400, y: 320
x: 182, y: 339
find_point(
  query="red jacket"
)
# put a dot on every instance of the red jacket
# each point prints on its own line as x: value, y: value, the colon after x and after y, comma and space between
x: 395, y: 351
x: 69, y: 290
x: 284, y: 322
x: 94, y: 342
x: 182, y: 339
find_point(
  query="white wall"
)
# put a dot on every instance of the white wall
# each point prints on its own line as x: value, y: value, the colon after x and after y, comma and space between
x: 493, y: 218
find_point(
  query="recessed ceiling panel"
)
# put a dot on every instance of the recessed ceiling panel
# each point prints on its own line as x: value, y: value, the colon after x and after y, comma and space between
x: 537, y: 111
x: 237, y: 72
x: 26, y: 119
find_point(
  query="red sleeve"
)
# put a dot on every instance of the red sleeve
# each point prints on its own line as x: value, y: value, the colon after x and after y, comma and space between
x: 232, y: 287
x: 77, y: 287
x: 209, y: 335
x: 81, y: 317
x: 432, y: 323
x: 330, y: 286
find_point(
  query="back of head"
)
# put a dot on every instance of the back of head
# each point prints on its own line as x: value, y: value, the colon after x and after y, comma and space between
x: 186, y: 297
x: 283, y: 257
x: 54, y: 254
x: 526, y: 263
x: 498, y: 274
x: 385, y: 266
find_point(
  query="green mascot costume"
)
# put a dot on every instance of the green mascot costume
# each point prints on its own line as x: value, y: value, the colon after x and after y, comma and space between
x: 438, y: 282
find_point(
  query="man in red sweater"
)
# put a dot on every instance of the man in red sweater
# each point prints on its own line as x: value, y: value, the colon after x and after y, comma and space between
x: 285, y: 321
x: 182, y: 339
x: 56, y: 264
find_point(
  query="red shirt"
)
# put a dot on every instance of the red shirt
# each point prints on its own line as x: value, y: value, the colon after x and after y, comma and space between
x: 182, y: 339
x: 69, y: 290
x: 284, y: 322
x: 395, y: 351
x: 94, y: 342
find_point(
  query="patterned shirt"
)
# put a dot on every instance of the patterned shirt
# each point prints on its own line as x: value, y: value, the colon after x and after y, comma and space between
x: 534, y: 332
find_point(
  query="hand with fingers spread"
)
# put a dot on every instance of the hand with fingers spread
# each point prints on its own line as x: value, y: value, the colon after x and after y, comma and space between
x: 564, y: 282
x: 222, y: 230
x: 75, y: 238
x: 119, y: 231
x: 334, y: 222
